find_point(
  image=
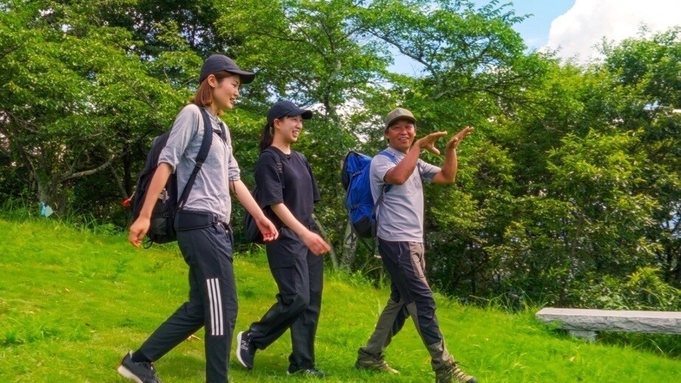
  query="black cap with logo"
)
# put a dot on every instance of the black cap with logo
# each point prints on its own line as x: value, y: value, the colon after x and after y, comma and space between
x: 285, y: 108
x: 217, y: 63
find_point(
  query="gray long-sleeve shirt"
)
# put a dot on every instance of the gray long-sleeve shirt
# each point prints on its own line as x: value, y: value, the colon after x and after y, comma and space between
x: 211, y: 186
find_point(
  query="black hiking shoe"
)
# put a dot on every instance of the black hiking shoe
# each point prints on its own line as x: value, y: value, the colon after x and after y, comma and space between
x: 307, y: 372
x: 245, y: 351
x: 140, y: 372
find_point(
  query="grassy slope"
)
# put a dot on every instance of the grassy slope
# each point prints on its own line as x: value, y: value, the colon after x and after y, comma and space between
x: 72, y: 302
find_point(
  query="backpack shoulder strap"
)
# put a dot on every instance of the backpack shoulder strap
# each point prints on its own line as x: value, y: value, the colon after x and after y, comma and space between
x: 386, y: 153
x: 385, y: 189
x: 207, y: 139
x: 277, y: 158
x: 392, y: 158
x: 200, y: 157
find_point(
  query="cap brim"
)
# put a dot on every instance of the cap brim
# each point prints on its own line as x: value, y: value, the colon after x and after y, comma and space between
x: 291, y: 111
x: 304, y: 113
x: 412, y: 119
x: 246, y: 77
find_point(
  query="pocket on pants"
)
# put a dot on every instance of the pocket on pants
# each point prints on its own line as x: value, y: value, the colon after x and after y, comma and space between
x: 418, y: 262
x: 286, y: 250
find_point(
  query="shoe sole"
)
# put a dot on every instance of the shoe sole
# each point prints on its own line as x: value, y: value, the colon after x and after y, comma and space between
x: 238, y: 351
x: 128, y: 374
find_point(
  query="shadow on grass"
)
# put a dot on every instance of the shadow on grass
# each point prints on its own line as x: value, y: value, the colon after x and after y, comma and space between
x: 668, y: 346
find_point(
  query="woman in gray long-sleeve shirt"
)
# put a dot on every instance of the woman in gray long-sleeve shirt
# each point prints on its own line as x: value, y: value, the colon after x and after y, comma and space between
x: 203, y: 233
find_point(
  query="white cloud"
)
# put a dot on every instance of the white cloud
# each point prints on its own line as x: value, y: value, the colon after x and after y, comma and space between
x: 577, y: 32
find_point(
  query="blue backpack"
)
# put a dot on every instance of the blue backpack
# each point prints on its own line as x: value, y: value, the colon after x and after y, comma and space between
x: 358, y: 200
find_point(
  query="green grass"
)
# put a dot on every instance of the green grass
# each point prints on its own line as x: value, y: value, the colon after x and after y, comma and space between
x: 73, y: 302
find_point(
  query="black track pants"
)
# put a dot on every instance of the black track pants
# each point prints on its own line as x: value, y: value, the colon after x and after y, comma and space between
x: 212, y: 301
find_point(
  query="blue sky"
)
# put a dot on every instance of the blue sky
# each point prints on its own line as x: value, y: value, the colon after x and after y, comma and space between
x: 535, y: 29
x: 575, y: 28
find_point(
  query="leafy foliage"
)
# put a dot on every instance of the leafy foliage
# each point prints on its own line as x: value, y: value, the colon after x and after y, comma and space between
x: 568, y: 192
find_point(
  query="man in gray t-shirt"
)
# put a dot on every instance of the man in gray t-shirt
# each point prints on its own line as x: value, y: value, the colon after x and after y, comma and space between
x: 400, y: 242
x: 401, y: 213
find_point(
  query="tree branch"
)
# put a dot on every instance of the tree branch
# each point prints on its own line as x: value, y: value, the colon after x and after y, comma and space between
x: 84, y: 173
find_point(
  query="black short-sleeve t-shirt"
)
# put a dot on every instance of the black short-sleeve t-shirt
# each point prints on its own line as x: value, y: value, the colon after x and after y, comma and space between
x: 287, y: 179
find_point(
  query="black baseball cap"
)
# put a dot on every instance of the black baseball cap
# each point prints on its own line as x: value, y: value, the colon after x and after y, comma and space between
x: 216, y: 63
x: 283, y: 108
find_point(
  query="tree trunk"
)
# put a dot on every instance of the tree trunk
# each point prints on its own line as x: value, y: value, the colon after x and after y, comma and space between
x: 349, y: 248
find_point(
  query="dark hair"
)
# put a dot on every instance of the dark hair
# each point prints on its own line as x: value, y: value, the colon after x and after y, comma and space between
x: 204, y: 95
x: 266, y: 137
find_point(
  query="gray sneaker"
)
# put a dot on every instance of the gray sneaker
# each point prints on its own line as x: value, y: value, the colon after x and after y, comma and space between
x: 374, y: 363
x: 142, y: 372
x: 453, y: 374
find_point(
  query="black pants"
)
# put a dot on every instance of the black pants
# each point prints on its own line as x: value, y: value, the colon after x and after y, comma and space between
x: 410, y: 296
x: 212, y: 301
x: 299, y: 277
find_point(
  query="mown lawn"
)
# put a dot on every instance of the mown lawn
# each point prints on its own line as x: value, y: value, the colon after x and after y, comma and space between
x: 72, y: 302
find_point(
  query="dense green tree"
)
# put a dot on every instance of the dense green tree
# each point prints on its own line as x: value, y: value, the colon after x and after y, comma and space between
x: 647, y: 71
x: 315, y: 54
x: 474, y: 72
x: 74, y: 101
x: 568, y: 192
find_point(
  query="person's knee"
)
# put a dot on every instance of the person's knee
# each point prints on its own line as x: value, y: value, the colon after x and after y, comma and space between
x: 299, y: 303
x: 193, y: 313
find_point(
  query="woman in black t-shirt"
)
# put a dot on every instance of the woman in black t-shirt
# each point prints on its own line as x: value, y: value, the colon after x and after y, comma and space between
x: 287, y: 192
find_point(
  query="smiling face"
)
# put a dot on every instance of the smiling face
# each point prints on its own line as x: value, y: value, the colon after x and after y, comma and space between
x: 400, y: 135
x: 288, y: 128
x: 225, y: 91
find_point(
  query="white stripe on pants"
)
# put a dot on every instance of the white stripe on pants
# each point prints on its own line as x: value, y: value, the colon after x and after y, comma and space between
x: 215, y: 304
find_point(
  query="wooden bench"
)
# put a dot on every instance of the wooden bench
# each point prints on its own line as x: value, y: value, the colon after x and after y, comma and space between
x: 585, y: 323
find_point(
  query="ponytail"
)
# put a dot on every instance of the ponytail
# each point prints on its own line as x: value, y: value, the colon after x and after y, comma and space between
x: 266, y: 137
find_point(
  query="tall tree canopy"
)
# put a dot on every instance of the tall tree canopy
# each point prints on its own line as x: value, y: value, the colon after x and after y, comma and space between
x: 568, y: 192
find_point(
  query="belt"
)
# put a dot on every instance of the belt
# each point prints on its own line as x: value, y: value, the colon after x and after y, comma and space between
x: 196, y: 219
x: 226, y: 226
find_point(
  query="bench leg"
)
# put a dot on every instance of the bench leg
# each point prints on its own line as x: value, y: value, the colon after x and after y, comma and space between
x: 590, y: 336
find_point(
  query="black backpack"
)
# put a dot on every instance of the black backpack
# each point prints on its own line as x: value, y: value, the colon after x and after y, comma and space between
x: 161, y: 228
x: 251, y: 231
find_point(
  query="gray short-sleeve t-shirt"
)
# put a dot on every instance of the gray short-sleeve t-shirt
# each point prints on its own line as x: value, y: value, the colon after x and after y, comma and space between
x: 211, y: 186
x: 400, y: 215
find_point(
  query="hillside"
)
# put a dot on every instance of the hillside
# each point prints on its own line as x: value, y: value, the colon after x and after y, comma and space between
x: 72, y: 302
